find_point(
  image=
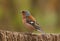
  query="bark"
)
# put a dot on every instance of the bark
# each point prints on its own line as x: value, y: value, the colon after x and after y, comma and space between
x: 20, y: 36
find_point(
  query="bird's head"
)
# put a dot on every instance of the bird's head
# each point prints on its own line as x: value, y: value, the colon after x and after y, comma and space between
x: 25, y: 13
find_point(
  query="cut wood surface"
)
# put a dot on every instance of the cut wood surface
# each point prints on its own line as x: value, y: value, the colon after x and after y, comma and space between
x: 22, y: 36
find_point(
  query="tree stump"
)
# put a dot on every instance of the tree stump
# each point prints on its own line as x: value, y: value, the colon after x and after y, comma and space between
x: 22, y: 36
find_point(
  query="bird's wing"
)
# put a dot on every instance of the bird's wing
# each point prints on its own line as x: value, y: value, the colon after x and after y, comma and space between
x: 36, y: 26
x: 33, y: 22
x: 33, y: 19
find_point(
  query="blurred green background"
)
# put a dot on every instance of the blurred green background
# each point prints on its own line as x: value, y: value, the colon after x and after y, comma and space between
x: 46, y: 12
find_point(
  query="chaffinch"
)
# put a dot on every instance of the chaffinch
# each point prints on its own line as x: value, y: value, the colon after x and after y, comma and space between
x: 30, y: 22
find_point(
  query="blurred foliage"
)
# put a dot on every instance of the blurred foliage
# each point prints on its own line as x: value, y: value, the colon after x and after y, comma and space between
x: 46, y: 12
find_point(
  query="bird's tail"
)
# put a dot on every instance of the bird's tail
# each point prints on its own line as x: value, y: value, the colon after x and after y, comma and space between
x: 39, y: 29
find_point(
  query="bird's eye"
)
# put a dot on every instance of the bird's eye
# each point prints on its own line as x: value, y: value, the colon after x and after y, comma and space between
x: 23, y: 11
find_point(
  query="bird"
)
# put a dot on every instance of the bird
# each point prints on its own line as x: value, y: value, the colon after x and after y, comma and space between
x: 30, y: 22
